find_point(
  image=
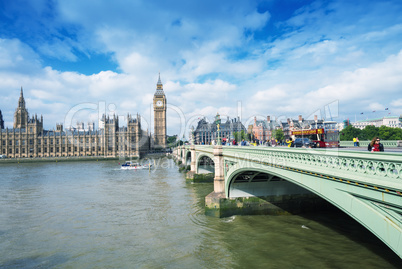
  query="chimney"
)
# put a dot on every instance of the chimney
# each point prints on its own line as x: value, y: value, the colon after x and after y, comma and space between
x: 315, y: 118
x: 300, y: 118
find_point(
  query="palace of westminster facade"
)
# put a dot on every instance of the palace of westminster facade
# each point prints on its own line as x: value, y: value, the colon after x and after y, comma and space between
x: 28, y: 139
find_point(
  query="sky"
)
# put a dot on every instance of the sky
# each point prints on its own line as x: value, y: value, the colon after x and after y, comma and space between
x: 76, y: 60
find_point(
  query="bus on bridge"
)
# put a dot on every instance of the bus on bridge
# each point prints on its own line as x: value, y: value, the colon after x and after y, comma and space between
x: 324, y: 135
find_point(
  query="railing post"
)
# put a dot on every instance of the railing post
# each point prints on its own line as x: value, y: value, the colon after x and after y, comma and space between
x: 193, y: 157
x: 219, y: 180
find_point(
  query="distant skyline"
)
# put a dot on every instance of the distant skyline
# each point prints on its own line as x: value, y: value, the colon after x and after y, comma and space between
x: 281, y: 58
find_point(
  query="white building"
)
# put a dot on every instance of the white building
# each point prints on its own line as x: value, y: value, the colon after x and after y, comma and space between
x: 390, y: 121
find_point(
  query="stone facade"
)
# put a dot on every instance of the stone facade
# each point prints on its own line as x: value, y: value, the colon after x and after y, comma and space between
x: 207, y: 132
x: 28, y: 138
x: 390, y: 121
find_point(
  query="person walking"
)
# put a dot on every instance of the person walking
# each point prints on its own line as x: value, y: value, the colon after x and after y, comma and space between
x: 357, y: 142
x: 354, y: 141
x: 375, y: 145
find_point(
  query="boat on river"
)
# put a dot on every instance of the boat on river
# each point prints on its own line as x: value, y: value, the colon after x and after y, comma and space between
x: 129, y: 165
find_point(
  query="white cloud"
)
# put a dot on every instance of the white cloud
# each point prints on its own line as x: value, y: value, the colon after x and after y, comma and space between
x: 397, y: 103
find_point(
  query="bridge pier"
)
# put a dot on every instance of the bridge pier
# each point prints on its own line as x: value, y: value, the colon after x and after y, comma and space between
x: 216, y: 200
x: 219, y: 179
x: 192, y: 174
x: 193, y: 156
x: 218, y: 205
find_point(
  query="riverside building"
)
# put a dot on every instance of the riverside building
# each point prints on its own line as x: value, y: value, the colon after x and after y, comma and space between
x: 207, y: 132
x: 28, y: 138
x: 390, y: 121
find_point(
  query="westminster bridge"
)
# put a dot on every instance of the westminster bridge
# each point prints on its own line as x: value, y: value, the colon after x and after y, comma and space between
x: 367, y: 186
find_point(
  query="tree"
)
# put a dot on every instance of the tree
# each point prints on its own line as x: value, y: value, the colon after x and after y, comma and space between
x: 389, y: 133
x: 173, y: 142
x: 238, y: 136
x: 278, y: 134
x: 350, y: 132
x: 370, y: 131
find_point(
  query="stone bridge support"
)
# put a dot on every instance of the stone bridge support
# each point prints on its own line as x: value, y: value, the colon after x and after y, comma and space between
x: 219, y: 179
x: 194, y: 177
x: 193, y: 159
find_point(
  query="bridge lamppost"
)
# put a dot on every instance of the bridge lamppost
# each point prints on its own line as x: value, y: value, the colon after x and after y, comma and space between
x: 192, y: 141
x: 218, y: 140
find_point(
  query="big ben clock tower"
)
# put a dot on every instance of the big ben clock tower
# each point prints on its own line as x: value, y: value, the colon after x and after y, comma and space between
x: 159, y: 116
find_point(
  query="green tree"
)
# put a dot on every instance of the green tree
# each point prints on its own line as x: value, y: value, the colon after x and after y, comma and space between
x: 370, y: 131
x: 390, y: 133
x: 350, y: 132
x: 278, y: 134
x: 238, y: 136
x: 171, y: 140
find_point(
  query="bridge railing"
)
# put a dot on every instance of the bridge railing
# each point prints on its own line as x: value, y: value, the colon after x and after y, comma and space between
x: 380, y: 169
x: 386, y: 143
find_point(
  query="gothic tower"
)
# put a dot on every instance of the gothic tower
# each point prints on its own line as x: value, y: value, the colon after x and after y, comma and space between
x: 1, y: 121
x: 21, y: 113
x: 159, y: 116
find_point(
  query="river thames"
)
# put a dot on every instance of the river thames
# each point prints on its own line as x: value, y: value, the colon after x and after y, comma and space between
x: 94, y: 215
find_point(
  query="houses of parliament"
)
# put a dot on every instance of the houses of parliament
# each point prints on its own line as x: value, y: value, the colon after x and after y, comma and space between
x: 28, y: 138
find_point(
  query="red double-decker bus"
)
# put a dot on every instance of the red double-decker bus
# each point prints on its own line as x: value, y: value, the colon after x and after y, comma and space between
x: 324, y: 135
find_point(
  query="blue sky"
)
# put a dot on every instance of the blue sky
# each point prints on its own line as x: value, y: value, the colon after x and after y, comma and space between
x: 281, y: 58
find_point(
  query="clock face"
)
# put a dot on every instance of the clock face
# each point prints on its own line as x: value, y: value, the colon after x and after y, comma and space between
x: 159, y: 103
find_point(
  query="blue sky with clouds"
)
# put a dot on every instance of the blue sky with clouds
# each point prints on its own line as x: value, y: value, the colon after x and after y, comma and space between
x: 280, y: 58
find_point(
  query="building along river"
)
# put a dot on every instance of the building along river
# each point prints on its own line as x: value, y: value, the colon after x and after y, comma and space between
x: 94, y: 215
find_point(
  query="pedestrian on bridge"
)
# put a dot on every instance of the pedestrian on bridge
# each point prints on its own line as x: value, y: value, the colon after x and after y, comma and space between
x: 375, y: 145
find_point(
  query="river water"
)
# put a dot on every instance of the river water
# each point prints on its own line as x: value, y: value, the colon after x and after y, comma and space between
x: 94, y: 215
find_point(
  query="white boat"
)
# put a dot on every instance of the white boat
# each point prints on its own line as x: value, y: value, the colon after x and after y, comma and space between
x: 129, y: 165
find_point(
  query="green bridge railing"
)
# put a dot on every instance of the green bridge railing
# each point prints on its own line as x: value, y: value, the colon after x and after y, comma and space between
x: 386, y: 143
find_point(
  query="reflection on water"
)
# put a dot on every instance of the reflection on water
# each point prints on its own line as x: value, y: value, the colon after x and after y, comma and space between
x: 92, y: 214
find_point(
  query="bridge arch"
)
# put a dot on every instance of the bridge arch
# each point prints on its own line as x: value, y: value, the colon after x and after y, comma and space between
x: 206, y: 161
x: 187, y: 158
x: 259, y: 182
x: 370, y: 213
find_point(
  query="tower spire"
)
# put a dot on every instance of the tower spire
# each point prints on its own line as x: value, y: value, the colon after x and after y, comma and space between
x: 21, y: 101
x: 159, y: 80
x: 159, y: 86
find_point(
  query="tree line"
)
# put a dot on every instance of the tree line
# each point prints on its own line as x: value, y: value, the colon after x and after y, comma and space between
x: 369, y: 132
